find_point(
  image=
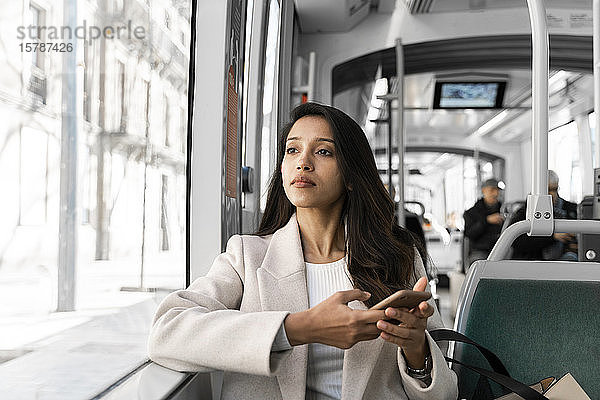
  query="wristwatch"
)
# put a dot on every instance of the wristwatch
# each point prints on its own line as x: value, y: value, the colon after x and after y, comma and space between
x: 422, y: 374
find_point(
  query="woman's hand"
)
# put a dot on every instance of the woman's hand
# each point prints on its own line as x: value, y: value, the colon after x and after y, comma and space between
x: 410, y: 334
x: 333, y: 323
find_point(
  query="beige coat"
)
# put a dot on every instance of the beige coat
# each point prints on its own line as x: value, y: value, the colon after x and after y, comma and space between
x: 228, y: 319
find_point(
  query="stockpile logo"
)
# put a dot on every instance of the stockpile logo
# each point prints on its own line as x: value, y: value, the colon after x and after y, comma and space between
x: 85, y: 31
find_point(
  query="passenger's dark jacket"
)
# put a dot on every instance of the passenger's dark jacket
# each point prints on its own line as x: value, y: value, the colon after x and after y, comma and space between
x: 565, y: 209
x: 482, y: 235
x: 541, y: 247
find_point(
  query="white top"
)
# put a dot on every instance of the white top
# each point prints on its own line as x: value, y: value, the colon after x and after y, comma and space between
x: 323, y: 280
x: 325, y: 363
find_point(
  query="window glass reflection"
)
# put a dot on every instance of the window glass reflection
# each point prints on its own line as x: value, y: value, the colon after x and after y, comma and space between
x: 84, y: 261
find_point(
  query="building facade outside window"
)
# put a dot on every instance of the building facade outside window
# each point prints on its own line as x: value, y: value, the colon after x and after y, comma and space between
x: 129, y: 197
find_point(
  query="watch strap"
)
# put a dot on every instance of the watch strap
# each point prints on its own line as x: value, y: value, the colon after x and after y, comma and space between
x: 421, y: 373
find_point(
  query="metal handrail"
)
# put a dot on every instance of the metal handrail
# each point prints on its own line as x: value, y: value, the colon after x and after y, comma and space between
x: 503, y: 244
x: 596, y: 23
x: 539, y: 203
x: 400, y: 139
x: 539, y: 215
x: 539, y: 73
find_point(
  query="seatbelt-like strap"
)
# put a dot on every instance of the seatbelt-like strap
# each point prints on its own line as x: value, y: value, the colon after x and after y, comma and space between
x: 515, y: 386
x: 492, y: 359
x: 499, y: 374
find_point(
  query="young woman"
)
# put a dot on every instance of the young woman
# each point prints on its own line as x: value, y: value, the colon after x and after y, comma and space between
x: 285, y: 312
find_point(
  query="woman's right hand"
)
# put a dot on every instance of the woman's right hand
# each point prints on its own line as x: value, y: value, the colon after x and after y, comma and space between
x: 333, y: 323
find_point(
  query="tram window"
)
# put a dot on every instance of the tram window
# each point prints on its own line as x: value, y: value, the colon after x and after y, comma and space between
x: 269, y: 128
x: 446, y: 184
x: 471, y: 189
x: 564, y: 159
x: 89, y: 262
x: 592, y: 123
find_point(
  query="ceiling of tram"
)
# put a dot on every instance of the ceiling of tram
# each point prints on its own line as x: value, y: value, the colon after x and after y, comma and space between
x: 343, y: 15
x: 421, y: 119
x: 467, y: 5
x: 570, y: 94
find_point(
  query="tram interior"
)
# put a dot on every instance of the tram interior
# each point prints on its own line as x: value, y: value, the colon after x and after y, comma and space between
x: 133, y: 120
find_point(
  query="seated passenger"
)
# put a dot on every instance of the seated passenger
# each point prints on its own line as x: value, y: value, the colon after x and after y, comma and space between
x: 559, y: 246
x: 483, y: 222
x: 277, y: 310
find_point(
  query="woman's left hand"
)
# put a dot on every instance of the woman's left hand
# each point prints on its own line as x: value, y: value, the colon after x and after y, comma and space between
x: 410, y: 334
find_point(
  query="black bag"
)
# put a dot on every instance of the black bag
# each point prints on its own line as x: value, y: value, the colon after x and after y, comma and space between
x: 499, y: 374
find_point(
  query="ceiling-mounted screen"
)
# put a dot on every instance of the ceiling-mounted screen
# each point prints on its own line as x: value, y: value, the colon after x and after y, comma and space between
x: 468, y: 94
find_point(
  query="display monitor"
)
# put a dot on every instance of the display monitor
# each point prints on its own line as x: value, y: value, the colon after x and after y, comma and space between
x: 468, y: 94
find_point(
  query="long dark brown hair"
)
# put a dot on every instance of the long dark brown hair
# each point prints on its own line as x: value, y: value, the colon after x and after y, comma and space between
x: 380, y: 253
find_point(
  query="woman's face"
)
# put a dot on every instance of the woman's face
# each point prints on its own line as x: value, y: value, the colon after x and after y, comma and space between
x: 311, y: 177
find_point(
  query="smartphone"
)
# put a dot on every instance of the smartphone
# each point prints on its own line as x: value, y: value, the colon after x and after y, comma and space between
x: 402, y: 298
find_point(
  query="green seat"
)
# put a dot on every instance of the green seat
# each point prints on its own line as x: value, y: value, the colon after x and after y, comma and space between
x: 541, y: 319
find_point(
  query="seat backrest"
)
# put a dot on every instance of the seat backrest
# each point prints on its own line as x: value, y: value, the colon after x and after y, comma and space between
x: 465, y: 252
x: 542, y: 318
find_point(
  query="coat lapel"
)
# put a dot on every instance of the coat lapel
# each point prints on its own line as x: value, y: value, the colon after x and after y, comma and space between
x: 359, y: 362
x: 282, y: 287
